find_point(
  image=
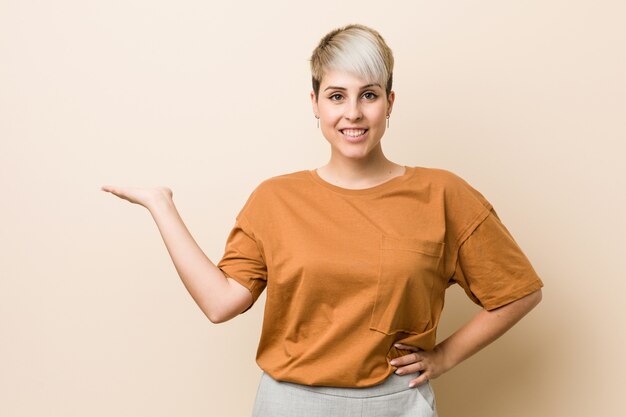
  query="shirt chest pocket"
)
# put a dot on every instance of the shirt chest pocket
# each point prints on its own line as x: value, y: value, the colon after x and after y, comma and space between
x: 407, y: 271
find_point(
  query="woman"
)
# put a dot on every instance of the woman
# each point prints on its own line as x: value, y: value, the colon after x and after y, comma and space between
x: 356, y: 256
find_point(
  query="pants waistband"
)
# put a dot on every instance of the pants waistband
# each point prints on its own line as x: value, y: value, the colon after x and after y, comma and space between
x: 394, y: 383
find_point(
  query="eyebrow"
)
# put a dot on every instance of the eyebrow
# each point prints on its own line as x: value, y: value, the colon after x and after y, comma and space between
x: 343, y: 88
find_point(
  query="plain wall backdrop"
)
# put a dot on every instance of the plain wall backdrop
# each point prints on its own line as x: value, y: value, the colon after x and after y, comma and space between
x: 525, y: 100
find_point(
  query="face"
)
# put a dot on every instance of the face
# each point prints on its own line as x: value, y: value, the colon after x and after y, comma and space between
x: 352, y: 113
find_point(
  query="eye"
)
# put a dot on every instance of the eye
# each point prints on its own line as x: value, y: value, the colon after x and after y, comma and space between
x: 335, y: 95
x: 372, y: 96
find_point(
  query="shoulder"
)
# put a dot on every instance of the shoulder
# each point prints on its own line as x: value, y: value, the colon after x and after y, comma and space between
x: 436, y: 176
x: 281, y: 183
x: 271, y: 193
x: 441, y: 176
x: 284, y: 180
x: 447, y: 180
x: 459, y: 195
x: 266, y: 191
x: 464, y: 206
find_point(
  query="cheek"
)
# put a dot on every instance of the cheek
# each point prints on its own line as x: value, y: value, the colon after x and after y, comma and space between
x: 330, y: 118
x: 374, y: 113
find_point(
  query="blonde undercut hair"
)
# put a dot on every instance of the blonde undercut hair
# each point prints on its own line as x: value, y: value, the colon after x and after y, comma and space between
x: 354, y: 48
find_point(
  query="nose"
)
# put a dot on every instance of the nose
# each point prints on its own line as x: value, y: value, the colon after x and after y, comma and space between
x: 353, y: 110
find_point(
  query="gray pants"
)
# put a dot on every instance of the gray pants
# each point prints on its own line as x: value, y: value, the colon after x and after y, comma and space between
x: 391, y: 398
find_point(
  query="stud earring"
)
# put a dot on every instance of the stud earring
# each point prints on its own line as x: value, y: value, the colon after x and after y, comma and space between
x: 388, y: 121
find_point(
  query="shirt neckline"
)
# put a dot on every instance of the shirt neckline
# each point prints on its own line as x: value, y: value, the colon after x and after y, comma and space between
x: 390, y: 183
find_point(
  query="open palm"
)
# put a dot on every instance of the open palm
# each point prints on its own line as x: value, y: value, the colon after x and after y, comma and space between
x: 139, y: 195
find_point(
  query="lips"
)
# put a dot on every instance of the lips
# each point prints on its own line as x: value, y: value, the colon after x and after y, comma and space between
x: 353, y: 132
x: 354, y: 135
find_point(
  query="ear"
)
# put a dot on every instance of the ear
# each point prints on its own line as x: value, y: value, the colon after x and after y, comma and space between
x: 390, y: 100
x: 314, y: 104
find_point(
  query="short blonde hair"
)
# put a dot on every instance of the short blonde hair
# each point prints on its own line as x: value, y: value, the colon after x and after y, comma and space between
x: 357, y: 49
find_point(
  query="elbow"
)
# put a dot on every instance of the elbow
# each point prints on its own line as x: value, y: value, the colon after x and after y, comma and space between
x: 216, y: 318
x: 234, y: 302
x: 220, y: 316
x: 532, y: 299
x: 213, y: 319
x: 214, y: 315
x: 537, y: 296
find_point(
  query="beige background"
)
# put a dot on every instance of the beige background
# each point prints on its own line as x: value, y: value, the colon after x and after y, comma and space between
x: 525, y: 100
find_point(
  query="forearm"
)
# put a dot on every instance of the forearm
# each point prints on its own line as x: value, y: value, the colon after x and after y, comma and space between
x: 202, y: 278
x: 484, y: 328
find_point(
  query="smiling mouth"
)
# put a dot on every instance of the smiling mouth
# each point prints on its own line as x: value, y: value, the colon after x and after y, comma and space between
x: 354, y: 133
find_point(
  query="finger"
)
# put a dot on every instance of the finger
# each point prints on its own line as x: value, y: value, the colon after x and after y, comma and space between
x: 411, y: 368
x: 111, y: 189
x: 118, y: 192
x: 399, y: 361
x: 405, y: 347
x: 419, y: 380
x: 406, y: 359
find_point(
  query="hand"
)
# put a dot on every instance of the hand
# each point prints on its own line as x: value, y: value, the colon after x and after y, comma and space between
x: 143, y: 196
x: 430, y: 363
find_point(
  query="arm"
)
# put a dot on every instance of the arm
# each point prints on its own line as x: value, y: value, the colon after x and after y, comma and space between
x: 220, y: 298
x: 480, y: 331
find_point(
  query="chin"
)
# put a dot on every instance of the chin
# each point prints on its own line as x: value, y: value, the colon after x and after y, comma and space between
x: 354, y: 153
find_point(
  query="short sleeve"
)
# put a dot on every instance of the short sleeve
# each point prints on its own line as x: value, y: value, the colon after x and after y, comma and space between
x: 491, y: 267
x: 243, y: 260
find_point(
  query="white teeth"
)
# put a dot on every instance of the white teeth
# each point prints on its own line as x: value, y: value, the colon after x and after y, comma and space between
x: 353, y: 132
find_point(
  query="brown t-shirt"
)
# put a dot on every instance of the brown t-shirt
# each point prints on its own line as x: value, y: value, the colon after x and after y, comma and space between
x: 350, y: 272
